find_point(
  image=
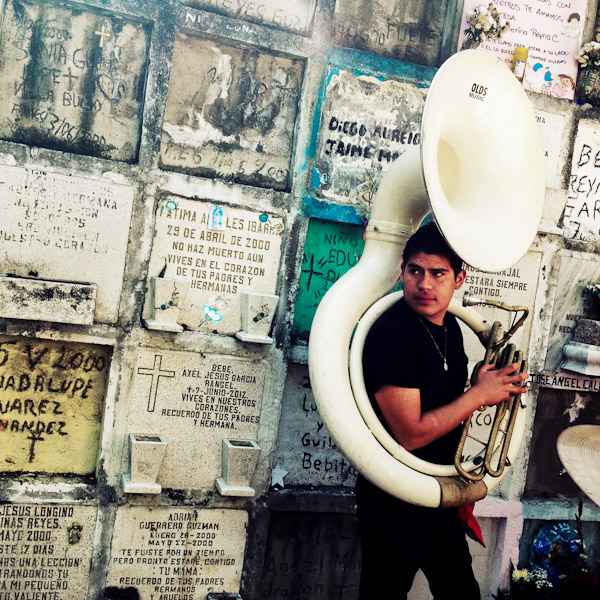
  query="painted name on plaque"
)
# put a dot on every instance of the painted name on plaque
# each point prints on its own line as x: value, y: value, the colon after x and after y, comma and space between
x: 582, y: 210
x: 366, y: 123
x: 51, y: 404
x: 72, y: 80
x: 219, y: 251
x: 195, y: 401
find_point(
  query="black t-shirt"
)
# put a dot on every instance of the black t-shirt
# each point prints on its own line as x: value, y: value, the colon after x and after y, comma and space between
x: 399, y: 351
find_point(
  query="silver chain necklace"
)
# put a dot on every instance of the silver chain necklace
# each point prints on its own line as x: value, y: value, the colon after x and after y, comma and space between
x: 435, y: 343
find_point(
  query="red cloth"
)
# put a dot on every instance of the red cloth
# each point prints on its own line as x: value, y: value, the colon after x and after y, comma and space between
x: 472, y: 528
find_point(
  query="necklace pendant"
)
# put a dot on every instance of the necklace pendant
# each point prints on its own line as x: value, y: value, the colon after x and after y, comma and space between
x: 445, y: 366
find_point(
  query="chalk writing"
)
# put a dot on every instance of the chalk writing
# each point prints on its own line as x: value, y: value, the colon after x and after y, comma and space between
x: 51, y: 394
x: 36, y: 560
x: 59, y: 89
x: 181, y: 554
x: 293, y: 16
x: 251, y: 124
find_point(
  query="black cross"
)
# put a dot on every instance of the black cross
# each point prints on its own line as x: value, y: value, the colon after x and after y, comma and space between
x: 311, y: 272
x: 156, y: 370
x: 70, y: 77
x: 34, y: 437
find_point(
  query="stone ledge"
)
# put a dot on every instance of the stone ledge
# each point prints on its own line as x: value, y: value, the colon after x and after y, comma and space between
x: 43, y: 300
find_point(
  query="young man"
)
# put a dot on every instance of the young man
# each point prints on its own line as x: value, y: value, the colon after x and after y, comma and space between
x: 415, y: 372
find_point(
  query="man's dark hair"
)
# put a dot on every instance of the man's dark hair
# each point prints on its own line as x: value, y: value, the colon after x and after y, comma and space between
x: 429, y: 240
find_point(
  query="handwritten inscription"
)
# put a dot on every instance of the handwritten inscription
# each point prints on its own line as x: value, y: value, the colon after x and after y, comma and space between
x: 551, y: 30
x: 366, y: 123
x: 582, y: 210
x: 64, y: 87
x: 293, y: 16
x: 36, y: 558
x: 330, y: 250
x: 231, y: 113
x: 177, y: 553
x: 51, y: 396
x: 407, y: 31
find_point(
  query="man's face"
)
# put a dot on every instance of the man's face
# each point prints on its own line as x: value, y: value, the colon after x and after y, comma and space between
x: 429, y: 283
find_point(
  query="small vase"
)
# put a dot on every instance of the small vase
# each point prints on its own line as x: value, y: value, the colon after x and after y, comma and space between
x: 588, y: 86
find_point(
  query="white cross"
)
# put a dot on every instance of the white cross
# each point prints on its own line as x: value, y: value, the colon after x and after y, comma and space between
x: 102, y: 33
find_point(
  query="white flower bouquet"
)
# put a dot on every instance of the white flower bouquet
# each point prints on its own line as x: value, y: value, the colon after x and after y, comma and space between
x: 485, y: 23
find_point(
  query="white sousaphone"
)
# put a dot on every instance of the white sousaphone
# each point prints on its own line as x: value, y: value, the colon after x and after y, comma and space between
x: 480, y: 167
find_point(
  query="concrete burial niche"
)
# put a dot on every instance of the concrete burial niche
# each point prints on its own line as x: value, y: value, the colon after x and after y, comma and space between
x: 209, y: 255
x: 61, y: 229
x: 72, y: 79
x: 51, y: 405
x: 366, y: 122
x: 195, y: 401
x: 571, y: 302
x: 311, y: 556
x: 47, y: 551
x: 294, y: 16
x: 231, y: 113
x: 329, y: 251
x: 556, y: 410
x: 402, y: 29
x: 305, y: 450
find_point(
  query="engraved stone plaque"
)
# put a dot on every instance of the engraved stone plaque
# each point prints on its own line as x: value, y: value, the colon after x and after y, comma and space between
x: 571, y: 303
x: 220, y: 251
x: 407, y: 30
x: 304, y: 447
x: 61, y: 227
x: 582, y: 210
x: 195, y: 401
x: 182, y: 553
x: 231, y: 113
x: 51, y: 404
x: 366, y: 123
x: 293, y: 15
x: 46, y: 550
x: 72, y: 80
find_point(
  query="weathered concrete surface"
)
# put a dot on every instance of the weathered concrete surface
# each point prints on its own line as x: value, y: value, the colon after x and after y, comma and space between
x: 231, y: 113
x: 51, y: 405
x: 72, y: 79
